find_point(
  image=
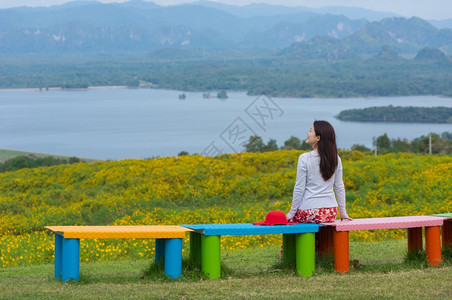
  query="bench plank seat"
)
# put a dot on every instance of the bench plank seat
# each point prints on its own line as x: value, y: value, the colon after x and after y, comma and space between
x: 168, y: 245
x: 120, y: 232
x: 386, y: 223
x: 298, y: 243
x: 335, y: 236
x: 250, y: 229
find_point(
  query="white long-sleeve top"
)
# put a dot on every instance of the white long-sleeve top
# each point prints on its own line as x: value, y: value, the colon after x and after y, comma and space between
x: 311, y: 191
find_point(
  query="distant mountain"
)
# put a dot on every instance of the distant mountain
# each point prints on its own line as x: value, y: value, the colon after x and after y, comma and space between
x: 141, y: 26
x: 403, y: 35
x: 355, y: 13
x: 285, y: 33
x: 263, y: 9
x: 387, y: 54
x: 322, y: 47
x: 137, y: 26
x: 432, y: 55
x: 442, y: 24
x: 394, y: 35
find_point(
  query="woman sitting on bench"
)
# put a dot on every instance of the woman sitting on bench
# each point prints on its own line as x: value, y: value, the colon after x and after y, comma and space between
x: 318, y: 171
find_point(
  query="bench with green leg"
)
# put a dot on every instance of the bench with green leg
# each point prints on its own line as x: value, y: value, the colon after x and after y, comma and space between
x: 298, y: 244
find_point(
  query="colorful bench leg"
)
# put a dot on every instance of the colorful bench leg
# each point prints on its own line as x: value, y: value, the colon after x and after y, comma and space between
x: 58, y: 255
x: 159, y: 250
x: 341, y: 251
x: 210, y: 256
x: 414, y: 239
x: 305, y: 253
x: 173, y: 258
x: 433, y: 245
x: 447, y: 234
x: 289, y: 248
x: 195, y: 247
x: 325, y: 240
x: 70, y: 268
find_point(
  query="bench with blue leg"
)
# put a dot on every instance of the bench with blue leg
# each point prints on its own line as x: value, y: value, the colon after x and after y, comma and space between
x: 298, y: 244
x: 168, y: 245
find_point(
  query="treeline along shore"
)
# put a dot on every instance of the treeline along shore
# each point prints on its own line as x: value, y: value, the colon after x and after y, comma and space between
x: 275, y: 75
x: 398, y: 114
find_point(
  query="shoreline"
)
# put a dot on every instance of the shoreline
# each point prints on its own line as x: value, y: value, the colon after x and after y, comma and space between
x: 112, y: 87
x: 90, y: 88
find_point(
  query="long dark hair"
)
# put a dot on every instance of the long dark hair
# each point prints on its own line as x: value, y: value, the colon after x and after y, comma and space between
x: 327, y: 148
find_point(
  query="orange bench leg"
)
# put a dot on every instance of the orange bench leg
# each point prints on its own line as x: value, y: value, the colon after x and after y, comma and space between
x: 433, y: 245
x: 447, y: 234
x: 341, y: 251
x: 325, y: 240
x: 414, y: 239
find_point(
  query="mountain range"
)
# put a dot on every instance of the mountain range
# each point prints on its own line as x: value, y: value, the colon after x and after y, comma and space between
x: 139, y: 26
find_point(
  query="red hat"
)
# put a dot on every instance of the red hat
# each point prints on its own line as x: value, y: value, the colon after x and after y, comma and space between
x: 275, y: 217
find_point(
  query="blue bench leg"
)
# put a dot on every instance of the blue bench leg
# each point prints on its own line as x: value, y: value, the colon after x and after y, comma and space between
x: 159, y: 250
x: 173, y: 258
x: 58, y: 255
x: 70, y: 259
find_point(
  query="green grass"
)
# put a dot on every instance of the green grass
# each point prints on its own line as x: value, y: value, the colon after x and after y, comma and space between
x: 9, y: 154
x: 384, y: 271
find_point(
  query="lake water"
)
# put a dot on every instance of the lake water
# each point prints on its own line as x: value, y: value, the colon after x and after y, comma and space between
x: 142, y: 123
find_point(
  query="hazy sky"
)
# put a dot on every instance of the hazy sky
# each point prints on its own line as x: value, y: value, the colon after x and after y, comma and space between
x: 426, y: 9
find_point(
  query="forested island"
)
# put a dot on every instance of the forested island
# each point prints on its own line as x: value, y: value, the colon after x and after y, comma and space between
x: 391, y: 113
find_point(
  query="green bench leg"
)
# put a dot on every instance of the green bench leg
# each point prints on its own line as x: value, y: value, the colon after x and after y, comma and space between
x: 289, y: 248
x: 305, y: 253
x: 210, y: 256
x: 195, y: 247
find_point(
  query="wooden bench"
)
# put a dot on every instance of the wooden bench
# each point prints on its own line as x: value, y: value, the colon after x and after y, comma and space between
x: 334, y: 237
x: 298, y: 244
x: 446, y: 230
x: 168, y: 245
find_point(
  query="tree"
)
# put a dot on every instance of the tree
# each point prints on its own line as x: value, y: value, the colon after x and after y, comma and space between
x: 446, y: 136
x: 383, y: 143
x: 421, y: 144
x: 255, y: 144
x: 400, y: 145
x: 271, y: 146
x: 305, y: 146
x: 222, y: 95
x: 361, y: 148
x: 74, y: 160
x: 292, y: 143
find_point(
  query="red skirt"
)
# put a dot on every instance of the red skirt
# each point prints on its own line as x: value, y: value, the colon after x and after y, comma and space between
x: 315, y: 215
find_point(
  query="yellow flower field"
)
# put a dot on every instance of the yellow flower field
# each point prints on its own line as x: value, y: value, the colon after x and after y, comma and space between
x: 232, y: 188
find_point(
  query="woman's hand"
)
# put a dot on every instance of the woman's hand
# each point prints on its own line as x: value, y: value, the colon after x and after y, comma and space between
x: 347, y: 218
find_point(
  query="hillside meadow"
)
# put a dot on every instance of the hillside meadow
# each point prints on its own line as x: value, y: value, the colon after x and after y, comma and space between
x: 228, y: 188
